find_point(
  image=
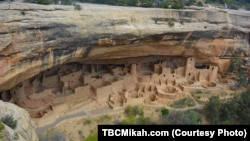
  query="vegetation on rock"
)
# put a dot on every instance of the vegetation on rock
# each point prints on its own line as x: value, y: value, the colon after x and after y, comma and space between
x: 232, y: 111
x: 78, y: 7
x: 1, y: 129
x: 235, y: 67
x: 91, y: 137
x: 200, y: 4
x: 9, y: 121
x: 170, y: 23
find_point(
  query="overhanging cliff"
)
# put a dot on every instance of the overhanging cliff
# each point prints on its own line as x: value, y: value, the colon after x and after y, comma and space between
x: 34, y: 38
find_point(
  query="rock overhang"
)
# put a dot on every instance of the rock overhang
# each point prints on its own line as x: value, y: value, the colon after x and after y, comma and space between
x: 47, y: 36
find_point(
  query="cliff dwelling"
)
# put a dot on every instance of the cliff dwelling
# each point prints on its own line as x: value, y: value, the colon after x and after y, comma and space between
x: 149, y: 80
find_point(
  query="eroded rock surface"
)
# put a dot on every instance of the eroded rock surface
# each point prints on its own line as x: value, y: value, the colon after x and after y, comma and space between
x: 24, y: 130
x: 34, y: 38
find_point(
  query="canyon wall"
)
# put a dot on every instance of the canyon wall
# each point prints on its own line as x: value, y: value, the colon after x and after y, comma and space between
x: 34, y: 38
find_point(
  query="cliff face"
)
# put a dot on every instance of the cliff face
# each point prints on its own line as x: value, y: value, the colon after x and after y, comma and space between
x: 34, y: 38
x: 24, y: 130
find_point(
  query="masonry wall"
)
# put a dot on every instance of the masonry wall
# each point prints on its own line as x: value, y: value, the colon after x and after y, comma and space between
x: 129, y: 83
x: 18, y: 93
x: 117, y: 86
x: 87, y: 79
x: 190, y: 67
x: 157, y: 68
x: 213, y: 73
x: 50, y: 82
x: 73, y: 79
x: 203, y: 74
x: 97, y: 83
x: 103, y: 93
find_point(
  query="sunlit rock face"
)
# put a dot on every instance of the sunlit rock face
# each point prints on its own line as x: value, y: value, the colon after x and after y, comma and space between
x: 34, y: 38
x: 24, y: 130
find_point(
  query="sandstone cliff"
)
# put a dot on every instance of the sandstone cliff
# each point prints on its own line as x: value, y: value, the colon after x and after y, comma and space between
x: 24, y: 130
x: 34, y: 38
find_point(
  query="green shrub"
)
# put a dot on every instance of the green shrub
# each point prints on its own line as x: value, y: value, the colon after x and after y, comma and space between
x: 233, y: 6
x: 78, y: 7
x: 178, y: 5
x: 247, y: 7
x: 172, y: 4
x: 182, y: 117
x: 23, y: 12
x: 234, y: 110
x: 9, y: 121
x: 67, y: 2
x: 43, y: 1
x: 212, y: 109
x: 1, y: 128
x: 198, y: 92
x: 200, y: 4
x: 235, y: 67
x: 128, y: 120
x: 135, y: 115
x: 87, y: 122
x: 170, y: 23
x: 91, y: 137
x: 198, y: 97
x: 164, y: 5
x: 134, y: 111
x: 146, y: 3
x: 164, y: 111
x: 190, y: 2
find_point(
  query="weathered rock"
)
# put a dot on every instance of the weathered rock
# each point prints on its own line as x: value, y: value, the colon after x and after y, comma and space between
x: 24, y: 130
x: 34, y: 37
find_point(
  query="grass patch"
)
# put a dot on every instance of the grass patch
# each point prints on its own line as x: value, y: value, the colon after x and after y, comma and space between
x: 91, y: 137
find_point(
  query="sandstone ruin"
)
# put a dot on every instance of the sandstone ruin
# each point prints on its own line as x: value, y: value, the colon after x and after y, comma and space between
x: 157, y: 81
